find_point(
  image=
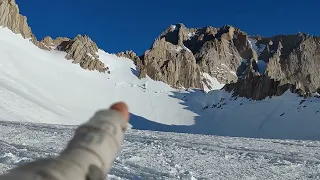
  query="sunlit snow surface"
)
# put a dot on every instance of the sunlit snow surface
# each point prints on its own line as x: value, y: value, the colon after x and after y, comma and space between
x: 42, y: 86
x: 158, y: 155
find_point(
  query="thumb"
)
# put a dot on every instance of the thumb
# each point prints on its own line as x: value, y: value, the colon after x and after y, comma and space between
x: 122, y: 108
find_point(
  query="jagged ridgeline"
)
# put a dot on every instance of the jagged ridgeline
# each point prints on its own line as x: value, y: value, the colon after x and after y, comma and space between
x: 81, y: 50
x: 251, y: 66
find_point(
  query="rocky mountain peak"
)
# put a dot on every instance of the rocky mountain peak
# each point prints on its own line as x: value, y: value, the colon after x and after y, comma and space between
x: 82, y: 50
x: 251, y: 66
x: 175, y: 34
x: 215, y: 51
x: 292, y: 63
x: 11, y: 18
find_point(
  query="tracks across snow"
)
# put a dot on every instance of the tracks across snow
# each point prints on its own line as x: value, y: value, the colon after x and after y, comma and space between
x: 158, y: 155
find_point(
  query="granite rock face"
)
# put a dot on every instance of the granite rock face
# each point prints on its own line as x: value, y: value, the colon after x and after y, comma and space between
x: 186, y: 53
x: 293, y: 63
x: 82, y: 50
x: 12, y: 19
x: 173, y: 64
x: 251, y: 66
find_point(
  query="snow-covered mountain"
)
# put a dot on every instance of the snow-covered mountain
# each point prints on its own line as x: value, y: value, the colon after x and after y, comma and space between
x: 40, y: 82
x: 42, y: 86
x: 211, y: 81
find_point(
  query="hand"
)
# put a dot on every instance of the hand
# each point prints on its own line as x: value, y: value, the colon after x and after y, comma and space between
x: 89, y: 154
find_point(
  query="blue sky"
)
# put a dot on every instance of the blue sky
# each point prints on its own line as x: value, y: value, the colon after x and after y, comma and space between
x: 119, y: 25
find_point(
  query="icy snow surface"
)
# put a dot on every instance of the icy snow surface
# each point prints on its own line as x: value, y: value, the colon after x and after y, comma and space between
x: 158, y: 155
x: 210, y: 83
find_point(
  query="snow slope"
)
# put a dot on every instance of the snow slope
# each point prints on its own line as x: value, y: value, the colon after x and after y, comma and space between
x: 42, y: 86
x: 156, y: 155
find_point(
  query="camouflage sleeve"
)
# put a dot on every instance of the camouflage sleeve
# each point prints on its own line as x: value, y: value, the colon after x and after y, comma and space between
x: 88, y: 156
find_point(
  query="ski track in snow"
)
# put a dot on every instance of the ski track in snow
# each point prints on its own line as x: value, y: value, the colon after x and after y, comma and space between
x: 158, y: 155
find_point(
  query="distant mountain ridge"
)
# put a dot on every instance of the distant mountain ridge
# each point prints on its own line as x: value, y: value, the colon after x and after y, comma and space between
x: 250, y: 66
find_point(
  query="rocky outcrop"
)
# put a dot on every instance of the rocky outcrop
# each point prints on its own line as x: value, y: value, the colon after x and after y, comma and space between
x: 10, y: 17
x: 128, y: 54
x: 81, y: 49
x: 173, y: 64
x: 215, y: 51
x: 253, y: 67
x: 257, y: 87
x: 48, y: 43
x: 293, y: 62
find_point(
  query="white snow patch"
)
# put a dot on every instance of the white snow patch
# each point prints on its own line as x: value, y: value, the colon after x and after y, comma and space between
x: 173, y: 27
x: 180, y: 48
x: 210, y: 83
x: 185, y: 48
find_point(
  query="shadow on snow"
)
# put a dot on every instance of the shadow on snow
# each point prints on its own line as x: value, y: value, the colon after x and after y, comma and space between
x: 249, y: 121
x: 202, y: 124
